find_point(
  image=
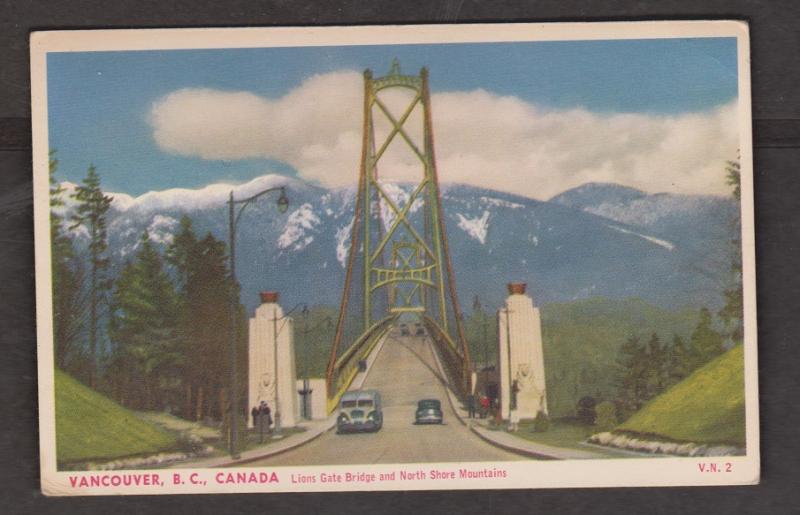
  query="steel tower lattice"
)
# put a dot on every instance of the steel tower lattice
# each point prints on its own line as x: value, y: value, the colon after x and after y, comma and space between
x: 398, y: 260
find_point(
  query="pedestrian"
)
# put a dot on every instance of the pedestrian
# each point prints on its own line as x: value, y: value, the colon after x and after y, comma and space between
x: 254, y: 413
x: 471, y: 405
x: 513, y: 418
x: 484, y: 406
x: 267, y: 415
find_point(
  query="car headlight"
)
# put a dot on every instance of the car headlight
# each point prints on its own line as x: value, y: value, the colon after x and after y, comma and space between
x: 372, y: 415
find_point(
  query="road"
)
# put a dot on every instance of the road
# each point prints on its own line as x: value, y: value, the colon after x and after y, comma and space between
x: 403, y: 372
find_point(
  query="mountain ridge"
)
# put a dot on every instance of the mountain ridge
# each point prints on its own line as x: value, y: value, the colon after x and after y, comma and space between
x: 563, y: 249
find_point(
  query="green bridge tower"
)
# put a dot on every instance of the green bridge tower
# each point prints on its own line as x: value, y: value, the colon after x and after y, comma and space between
x: 398, y: 263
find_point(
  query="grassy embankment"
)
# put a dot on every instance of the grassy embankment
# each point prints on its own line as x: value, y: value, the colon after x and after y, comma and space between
x: 90, y: 426
x: 707, y: 407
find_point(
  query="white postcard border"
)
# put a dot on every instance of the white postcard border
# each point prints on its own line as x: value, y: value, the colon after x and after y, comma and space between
x: 656, y: 471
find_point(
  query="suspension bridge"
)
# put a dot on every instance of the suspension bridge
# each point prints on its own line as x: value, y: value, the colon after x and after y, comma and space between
x: 398, y: 265
x: 399, y: 275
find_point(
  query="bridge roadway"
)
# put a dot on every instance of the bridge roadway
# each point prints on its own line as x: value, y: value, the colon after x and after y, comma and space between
x: 404, y: 372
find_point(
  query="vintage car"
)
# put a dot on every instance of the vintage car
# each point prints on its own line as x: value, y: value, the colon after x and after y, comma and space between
x: 359, y: 411
x: 429, y: 411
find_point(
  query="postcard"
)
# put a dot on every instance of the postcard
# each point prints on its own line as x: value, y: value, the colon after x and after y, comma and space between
x: 420, y: 257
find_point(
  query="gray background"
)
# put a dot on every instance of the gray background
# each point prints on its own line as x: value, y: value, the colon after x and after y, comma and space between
x: 775, y: 33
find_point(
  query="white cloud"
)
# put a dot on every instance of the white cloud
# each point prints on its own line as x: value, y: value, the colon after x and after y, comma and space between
x: 482, y: 139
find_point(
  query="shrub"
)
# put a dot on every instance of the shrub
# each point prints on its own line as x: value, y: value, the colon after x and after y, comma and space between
x: 606, y: 416
x: 190, y: 443
x: 586, y: 410
x: 541, y: 423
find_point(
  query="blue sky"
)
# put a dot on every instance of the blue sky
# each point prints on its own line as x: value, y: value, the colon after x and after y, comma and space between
x: 99, y: 101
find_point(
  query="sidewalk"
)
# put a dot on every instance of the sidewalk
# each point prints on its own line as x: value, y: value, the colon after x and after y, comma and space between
x: 313, y: 429
x: 508, y: 441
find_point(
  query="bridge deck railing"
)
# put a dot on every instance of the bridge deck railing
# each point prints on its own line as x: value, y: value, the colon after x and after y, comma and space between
x: 453, y: 360
x: 346, y: 365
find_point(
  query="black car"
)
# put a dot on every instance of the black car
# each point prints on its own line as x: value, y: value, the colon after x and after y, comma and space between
x: 420, y: 330
x: 404, y: 330
x: 429, y: 411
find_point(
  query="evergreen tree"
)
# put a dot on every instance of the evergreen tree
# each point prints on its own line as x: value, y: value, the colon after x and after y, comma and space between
x: 655, y: 367
x: 90, y: 213
x: 207, y: 291
x: 632, y: 380
x: 734, y: 178
x: 706, y: 343
x: 732, y: 312
x: 69, y: 299
x: 147, y: 356
x: 182, y: 255
x: 480, y: 330
x: 678, y: 361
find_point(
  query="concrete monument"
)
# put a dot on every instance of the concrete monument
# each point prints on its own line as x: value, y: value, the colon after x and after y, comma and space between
x: 271, y: 362
x: 522, y: 385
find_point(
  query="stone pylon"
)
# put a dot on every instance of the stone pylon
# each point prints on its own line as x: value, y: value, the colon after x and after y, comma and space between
x: 521, y: 360
x: 271, y: 362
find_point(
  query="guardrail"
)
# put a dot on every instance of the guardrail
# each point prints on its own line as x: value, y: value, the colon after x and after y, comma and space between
x: 451, y: 357
x: 346, y: 366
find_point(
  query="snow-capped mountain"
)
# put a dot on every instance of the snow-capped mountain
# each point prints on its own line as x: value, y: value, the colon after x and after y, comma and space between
x: 674, y: 216
x: 604, y: 240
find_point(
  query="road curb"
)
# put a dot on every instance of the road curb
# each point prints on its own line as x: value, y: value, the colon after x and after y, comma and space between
x: 313, y: 435
x: 511, y: 448
x: 275, y: 452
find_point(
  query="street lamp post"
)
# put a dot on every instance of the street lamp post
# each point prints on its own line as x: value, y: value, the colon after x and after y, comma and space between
x: 478, y: 310
x: 275, y: 376
x: 511, y: 383
x: 305, y: 312
x: 275, y: 332
x: 306, y: 391
x: 233, y: 220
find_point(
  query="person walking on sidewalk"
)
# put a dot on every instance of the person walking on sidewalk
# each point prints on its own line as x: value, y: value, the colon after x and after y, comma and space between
x: 484, y: 406
x: 254, y: 413
x: 267, y: 413
x: 471, y: 405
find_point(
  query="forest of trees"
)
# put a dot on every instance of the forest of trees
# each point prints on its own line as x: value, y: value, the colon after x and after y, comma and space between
x: 158, y: 335
x: 480, y: 330
x: 170, y: 327
x: 646, y: 370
